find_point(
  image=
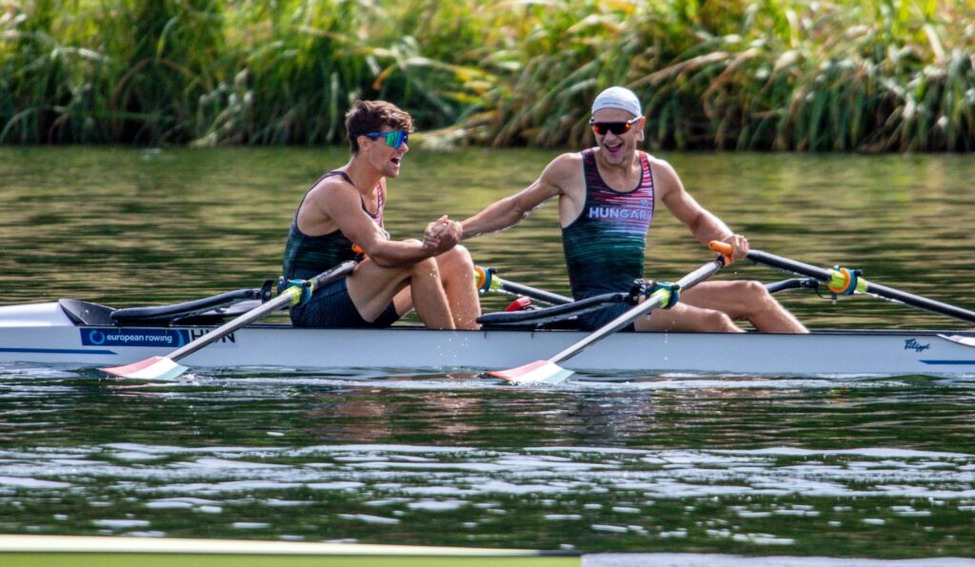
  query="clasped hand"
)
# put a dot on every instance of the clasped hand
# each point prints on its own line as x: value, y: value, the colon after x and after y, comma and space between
x: 442, y: 234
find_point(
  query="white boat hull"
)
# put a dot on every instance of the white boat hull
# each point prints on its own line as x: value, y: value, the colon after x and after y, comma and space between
x: 41, y: 333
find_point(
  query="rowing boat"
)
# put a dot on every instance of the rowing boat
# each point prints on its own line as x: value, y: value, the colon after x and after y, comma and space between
x: 70, y: 551
x: 147, y: 342
x: 56, y: 333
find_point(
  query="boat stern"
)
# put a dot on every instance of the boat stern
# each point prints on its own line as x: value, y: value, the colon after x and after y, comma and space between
x: 49, y: 314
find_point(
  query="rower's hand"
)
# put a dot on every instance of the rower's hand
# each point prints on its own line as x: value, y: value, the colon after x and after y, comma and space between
x: 739, y: 245
x: 431, y: 236
x: 442, y: 234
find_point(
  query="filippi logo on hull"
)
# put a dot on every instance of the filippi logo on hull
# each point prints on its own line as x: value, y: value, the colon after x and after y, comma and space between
x: 172, y: 338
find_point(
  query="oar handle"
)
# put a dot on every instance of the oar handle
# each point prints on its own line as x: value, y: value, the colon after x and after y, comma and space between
x: 723, y: 248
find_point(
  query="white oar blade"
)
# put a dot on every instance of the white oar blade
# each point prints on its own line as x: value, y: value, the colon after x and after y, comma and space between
x: 155, y: 368
x: 538, y: 372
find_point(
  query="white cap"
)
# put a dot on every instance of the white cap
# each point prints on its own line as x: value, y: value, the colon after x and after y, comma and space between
x: 618, y: 97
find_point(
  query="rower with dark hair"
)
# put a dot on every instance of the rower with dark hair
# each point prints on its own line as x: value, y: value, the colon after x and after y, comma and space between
x: 341, y: 216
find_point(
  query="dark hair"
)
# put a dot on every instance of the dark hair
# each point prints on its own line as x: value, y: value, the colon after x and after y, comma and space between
x: 367, y: 116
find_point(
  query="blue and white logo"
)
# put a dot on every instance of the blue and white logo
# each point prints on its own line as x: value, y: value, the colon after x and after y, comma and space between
x: 169, y: 338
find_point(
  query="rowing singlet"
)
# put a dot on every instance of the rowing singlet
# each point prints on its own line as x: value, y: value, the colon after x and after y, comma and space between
x: 307, y: 256
x: 604, y: 246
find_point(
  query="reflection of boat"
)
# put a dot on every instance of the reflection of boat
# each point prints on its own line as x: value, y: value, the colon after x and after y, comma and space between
x: 70, y: 551
x: 85, y: 334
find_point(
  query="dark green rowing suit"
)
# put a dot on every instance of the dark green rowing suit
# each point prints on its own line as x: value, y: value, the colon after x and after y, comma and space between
x: 307, y: 256
x: 604, y: 247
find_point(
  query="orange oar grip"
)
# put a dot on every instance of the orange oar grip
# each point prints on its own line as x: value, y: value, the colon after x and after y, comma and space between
x: 722, y: 248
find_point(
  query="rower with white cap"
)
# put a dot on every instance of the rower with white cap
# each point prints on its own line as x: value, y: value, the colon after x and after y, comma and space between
x: 607, y: 199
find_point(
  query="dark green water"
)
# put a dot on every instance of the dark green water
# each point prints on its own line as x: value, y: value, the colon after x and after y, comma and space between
x: 881, y: 468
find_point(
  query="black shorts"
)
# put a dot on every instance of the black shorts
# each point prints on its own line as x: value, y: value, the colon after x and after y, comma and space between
x: 331, y: 307
x: 596, y: 319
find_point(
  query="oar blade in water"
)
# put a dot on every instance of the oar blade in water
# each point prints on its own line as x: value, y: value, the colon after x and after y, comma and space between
x: 538, y: 372
x: 155, y: 368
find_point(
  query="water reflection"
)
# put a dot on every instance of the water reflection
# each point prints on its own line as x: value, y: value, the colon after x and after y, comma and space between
x: 572, y: 497
x: 669, y: 464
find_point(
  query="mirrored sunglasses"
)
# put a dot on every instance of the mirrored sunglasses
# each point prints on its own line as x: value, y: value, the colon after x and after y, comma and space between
x: 618, y: 128
x: 394, y: 139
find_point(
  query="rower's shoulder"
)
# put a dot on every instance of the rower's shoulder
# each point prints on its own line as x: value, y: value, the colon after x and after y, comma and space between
x: 333, y: 178
x: 661, y: 168
x: 329, y: 184
x: 568, y: 158
x: 566, y: 163
x: 329, y: 196
x: 654, y: 160
x: 562, y: 169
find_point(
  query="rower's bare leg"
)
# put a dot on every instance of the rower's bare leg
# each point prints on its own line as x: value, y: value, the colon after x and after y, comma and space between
x: 372, y: 287
x: 744, y: 300
x: 683, y: 317
x: 429, y: 297
x: 457, y: 275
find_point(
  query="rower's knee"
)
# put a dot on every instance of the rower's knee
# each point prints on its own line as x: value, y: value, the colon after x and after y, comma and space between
x: 718, y: 321
x: 761, y: 298
x: 768, y: 315
x: 748, y: 298
x: 456, y: 265
x: 752, y: 288
x: 457, y: 258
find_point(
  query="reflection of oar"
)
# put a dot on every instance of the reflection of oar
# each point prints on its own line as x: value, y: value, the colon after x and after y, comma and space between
x: 166, y: 368
x: 488, y: 280
x: 844, y: 281
x: 549, y: 370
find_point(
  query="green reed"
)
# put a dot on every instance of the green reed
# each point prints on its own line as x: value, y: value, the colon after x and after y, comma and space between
x: 839, y: 75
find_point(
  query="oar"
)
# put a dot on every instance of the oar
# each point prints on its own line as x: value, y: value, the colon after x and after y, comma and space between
x: 166, y: 367
x: 845, y: 281
x: 488, y: 280
x: 549, y: 371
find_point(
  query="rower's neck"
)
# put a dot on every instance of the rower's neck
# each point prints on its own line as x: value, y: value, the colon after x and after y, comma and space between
x: 620, y: 175
x: 364, y: 178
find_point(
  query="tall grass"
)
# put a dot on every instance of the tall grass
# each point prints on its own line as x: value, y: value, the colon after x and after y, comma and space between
x: 836, y: 75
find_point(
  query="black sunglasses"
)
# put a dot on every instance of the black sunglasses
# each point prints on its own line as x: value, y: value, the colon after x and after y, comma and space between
x: 618, y: 128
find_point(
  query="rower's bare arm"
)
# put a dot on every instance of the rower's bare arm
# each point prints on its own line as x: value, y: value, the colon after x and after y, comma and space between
x: 702, y: 223
x: 344, y: 205
x: 511, y: 210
